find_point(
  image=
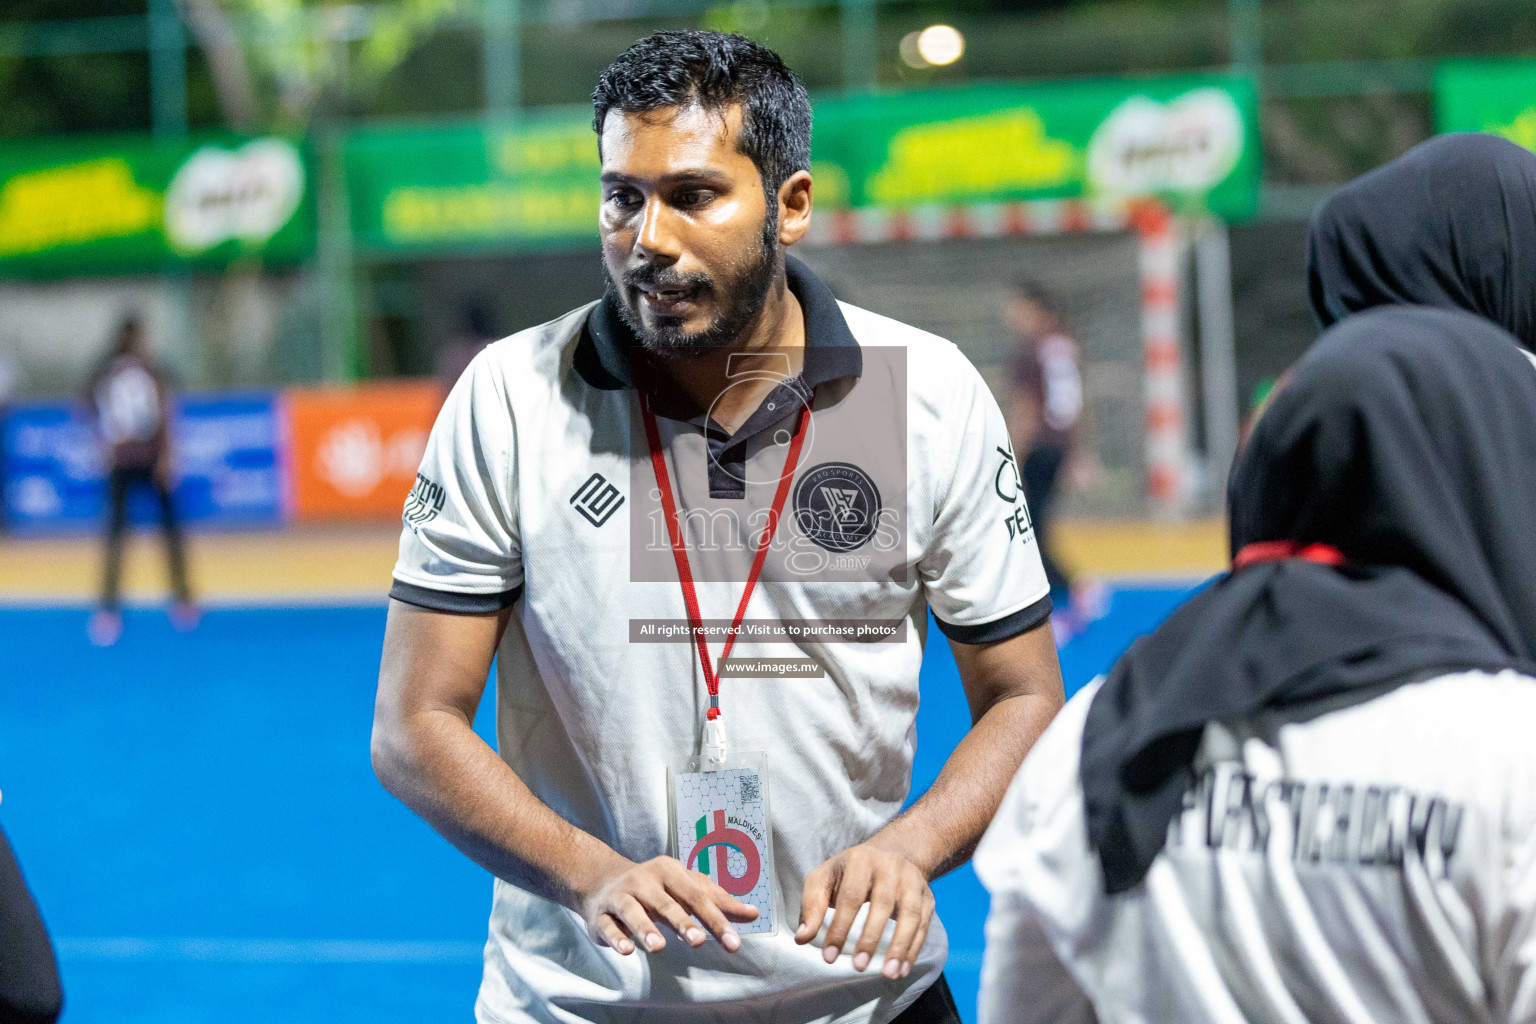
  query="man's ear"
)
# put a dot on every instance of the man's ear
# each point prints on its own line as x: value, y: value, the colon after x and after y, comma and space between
x: 794, y: 208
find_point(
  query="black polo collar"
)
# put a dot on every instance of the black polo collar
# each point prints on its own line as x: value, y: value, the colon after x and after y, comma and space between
x: 831, y: 350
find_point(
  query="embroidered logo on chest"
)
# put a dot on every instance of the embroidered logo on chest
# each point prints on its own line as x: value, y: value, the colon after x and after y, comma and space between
x: 837, y: 506
x: 597, y: 499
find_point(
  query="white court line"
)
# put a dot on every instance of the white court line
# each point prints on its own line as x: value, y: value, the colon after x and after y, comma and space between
x: 267, y: 951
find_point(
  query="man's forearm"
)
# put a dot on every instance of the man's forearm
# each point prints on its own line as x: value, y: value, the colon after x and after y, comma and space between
x: 941, y: 830
x: 425, y: 751
x: 439, y: 767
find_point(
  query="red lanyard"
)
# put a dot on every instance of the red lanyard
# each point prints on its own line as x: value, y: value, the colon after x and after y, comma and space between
x: 1277, y: 550
x: 680, y: 547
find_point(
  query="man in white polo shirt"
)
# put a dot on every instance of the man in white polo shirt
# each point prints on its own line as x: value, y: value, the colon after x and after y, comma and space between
x: 699, y: 525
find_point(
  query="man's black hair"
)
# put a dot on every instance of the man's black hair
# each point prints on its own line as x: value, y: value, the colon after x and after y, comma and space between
x: 716, y: 70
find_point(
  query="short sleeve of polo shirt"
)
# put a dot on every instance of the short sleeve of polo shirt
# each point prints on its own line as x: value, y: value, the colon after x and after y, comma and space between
x: 982, y: 572
x: 459, y: 549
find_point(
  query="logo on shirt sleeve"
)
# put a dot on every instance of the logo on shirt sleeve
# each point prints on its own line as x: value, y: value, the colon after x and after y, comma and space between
x: 597, y: 499
x: 1010, y: 488
x: 837, y: 506
x: 424, y: 503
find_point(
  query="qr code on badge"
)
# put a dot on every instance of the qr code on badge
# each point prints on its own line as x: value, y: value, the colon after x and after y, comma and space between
x: 751, y: 788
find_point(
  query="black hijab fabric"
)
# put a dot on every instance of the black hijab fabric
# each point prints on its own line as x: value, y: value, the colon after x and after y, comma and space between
x: 1407, y: 440
x: 1451, y: 223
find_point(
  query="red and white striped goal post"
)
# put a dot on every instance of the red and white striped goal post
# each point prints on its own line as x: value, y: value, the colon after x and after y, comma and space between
x: 1162, y: 351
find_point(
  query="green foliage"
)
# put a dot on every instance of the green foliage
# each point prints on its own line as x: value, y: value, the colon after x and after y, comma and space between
x: 71, y: 92
x: 311, y: 50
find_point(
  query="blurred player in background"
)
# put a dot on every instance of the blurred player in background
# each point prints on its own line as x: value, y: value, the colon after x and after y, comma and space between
x: 129, y: 395
x: 1045, y: 410
x: 1311, y: 794
x: 10, y: 385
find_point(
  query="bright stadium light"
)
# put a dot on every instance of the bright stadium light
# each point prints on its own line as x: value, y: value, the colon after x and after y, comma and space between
x: 940, y: 44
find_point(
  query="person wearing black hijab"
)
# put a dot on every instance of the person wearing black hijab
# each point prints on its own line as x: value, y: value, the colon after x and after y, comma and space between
x: 1310, y: 795
x: 1451, y: 223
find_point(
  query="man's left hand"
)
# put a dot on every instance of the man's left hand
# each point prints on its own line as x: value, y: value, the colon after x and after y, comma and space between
x: 891, y: 884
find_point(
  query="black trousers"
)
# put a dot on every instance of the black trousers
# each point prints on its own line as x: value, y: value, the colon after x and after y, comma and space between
x: 120, y: 485
x: 29, y: 978
x: 935, y: 1006
x: 1042, y: 467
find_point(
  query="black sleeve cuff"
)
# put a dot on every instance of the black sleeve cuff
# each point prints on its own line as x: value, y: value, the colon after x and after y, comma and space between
x: 1021, y: 621
x: 444, y: 601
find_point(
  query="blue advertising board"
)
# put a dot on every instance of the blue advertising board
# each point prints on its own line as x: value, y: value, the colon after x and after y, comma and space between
x: 224, y: 454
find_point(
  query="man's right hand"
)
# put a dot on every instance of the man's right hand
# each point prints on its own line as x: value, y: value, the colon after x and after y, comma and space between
x: 426, y: 751
x: 623, y: 907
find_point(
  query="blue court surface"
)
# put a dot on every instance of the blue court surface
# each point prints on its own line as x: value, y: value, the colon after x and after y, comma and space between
x: 198, y: 819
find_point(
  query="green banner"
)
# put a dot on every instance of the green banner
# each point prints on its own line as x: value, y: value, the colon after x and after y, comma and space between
x: 130, y: 205
x: 1192, y: 140
x: 1496, y: 96
x: 528, y: 185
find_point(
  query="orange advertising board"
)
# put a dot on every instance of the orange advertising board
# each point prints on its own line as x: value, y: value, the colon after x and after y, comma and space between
x: 353, y: 450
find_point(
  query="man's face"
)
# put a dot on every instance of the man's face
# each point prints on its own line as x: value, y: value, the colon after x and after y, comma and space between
x: 690, y: 245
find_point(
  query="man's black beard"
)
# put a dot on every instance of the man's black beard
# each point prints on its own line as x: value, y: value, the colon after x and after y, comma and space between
x: 744, y: 300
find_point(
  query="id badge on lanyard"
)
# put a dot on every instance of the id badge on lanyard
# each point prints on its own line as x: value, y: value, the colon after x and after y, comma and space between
x: 718, y: 820
x: 718, y: 815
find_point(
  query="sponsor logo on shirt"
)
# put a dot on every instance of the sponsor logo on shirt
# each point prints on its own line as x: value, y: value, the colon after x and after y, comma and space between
x: 837, y: 506
x: 1008, y: 486
x: 597, y: 499
x: 424, y: 503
